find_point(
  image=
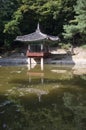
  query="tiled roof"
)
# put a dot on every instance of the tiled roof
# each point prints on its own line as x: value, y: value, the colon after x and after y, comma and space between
x: 36, y: 36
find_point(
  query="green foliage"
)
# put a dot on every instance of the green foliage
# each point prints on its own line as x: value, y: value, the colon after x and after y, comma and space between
x: 7, y: 8
x: 21, y: 16
x: 71, y: 30
x: 66, y: 46
x: 78, y: 25
x: 80, y: 10
x: 83, y: 46
x: 11, y: 28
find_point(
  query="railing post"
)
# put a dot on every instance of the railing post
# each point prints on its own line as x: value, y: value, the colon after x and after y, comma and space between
x: 29, y: 63
x: 42, y: 63
x: 41, y: 47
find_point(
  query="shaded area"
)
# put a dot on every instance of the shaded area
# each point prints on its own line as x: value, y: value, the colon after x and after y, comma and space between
x: 62, y: 107
x: 57, y: 110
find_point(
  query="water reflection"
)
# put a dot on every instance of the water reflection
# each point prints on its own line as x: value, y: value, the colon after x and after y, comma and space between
x: 36, y: 74
x: 53, y: 99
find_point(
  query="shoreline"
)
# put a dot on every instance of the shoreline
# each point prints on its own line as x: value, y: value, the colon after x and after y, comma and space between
x: 22, y: 61
x: 58, y: 57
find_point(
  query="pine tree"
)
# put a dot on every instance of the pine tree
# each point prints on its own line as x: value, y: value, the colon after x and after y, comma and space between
x: 80, y: 10
x: 78, y: 25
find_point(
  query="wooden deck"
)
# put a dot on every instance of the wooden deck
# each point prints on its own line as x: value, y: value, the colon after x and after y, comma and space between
x: 37, y: 54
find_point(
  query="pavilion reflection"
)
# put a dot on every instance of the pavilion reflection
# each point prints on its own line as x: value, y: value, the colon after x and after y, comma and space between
x: 36, y: 74
x: 32, y: 74
x: 32, y: 63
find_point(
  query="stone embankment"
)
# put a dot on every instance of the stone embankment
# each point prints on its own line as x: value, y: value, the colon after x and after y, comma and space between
x: 13, y: 61
x: 58, y: 56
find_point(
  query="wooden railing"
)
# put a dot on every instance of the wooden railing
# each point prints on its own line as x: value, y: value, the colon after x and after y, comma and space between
x: 37, y: 54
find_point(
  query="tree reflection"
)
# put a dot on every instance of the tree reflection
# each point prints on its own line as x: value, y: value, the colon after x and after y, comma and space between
x: 62, y: 105
x: 78, y: 107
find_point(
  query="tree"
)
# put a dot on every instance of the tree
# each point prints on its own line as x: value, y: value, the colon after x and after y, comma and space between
x: 19, y: 17
x: 7, y: 7
x: 77, y: 27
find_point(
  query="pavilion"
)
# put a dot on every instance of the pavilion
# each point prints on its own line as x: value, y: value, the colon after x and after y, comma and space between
x: 38, y: 46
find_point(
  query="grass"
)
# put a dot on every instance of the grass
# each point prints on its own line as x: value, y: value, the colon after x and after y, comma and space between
x: 84, y: 46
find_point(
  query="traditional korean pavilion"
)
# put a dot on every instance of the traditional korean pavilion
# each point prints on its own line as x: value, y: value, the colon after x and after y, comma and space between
x: 37, y: 41
x: 38, y: 47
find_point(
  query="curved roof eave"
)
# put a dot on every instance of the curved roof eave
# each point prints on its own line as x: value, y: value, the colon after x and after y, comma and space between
x: 53, y: 38
x: 36, y: 36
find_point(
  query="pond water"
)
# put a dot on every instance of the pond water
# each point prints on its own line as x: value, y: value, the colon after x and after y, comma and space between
x: 53, y: 99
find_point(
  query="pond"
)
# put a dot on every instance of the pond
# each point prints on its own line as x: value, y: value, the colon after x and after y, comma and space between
x: 53, y: 99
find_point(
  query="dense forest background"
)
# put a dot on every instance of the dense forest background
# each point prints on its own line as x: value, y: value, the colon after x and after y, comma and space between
x: 65, y: 18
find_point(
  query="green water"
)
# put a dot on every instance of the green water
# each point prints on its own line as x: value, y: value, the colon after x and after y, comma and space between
x: 53, y: 99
